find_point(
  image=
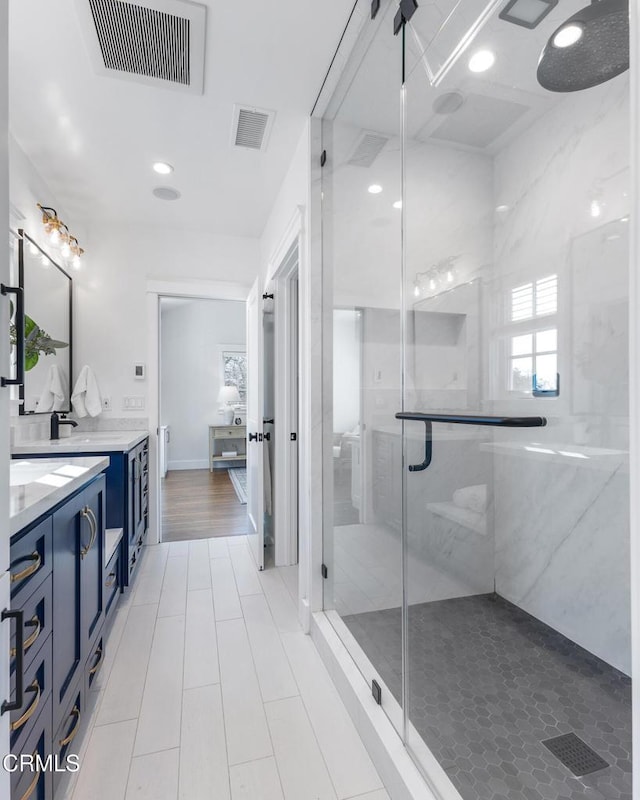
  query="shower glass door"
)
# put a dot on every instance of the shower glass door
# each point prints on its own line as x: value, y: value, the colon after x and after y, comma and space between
x: 476, y: 257
x: 361, y: 185
x: 516, y: 253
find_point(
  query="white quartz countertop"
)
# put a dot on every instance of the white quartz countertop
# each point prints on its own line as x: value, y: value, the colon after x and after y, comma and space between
x: 85, y: 442
x: 39, y: 485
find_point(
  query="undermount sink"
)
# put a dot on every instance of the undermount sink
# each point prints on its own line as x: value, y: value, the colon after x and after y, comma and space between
x: 89, y: 438
x: 23, y: 472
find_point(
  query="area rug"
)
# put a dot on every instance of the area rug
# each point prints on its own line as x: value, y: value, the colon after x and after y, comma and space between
x: 238, y: 477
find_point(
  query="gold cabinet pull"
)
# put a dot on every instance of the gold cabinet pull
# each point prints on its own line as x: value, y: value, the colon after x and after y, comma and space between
x: 98, y: 663
x: 93, y: 525
x: 32, y: 786
x: 68, y: 739
x: 35, y: 687
x: 111, y: 579
x: 33, y: 622
x: 36, y: 560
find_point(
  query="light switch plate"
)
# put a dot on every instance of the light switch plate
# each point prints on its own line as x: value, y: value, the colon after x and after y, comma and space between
x: 133, y: 403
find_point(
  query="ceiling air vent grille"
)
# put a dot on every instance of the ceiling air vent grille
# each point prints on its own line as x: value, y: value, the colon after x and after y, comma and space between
x: 143, y: 41
x: 251, y: 127
x: 367, y: 149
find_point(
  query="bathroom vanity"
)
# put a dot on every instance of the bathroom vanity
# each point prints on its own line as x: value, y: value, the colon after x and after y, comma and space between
x: 58, y: 598
x: 127, y: 478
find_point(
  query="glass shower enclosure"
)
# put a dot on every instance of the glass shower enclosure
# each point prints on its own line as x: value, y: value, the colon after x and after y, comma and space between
x: 476, y: 529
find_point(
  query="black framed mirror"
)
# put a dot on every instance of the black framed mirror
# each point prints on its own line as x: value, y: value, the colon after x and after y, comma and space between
x: 48, y: 330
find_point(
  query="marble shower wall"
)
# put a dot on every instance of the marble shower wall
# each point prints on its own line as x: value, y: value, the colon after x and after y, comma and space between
x: 561, y: 508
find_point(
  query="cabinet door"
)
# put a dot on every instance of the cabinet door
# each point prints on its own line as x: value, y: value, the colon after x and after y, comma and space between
x: 68, y: 525
x: 135, y: 495
x: 92, y: 562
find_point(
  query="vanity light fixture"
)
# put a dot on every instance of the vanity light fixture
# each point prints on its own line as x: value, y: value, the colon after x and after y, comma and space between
x: 440, y: 275
x: 162, y: 168
x: 481, y: 61
x: 59, y: 234
x: 375, y: 188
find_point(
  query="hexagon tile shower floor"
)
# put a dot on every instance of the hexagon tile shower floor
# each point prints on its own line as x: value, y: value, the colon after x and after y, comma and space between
x: 490, y: 684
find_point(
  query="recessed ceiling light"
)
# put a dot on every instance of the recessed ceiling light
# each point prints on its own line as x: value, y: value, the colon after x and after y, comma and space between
x: 166, y: 193
x: 482, y: 61
x: 375, y: 188
x: 398, y: 204
x: 162, y: 168
x: 568, y: 35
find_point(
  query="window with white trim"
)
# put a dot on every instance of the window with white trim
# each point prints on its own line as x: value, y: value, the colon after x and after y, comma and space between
x: 533, y: 351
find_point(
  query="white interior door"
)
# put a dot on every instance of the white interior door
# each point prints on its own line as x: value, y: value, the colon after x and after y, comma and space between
x: 255, y: 455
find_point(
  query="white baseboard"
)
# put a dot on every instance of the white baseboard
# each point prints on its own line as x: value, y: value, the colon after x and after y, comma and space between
x: 201, y: 464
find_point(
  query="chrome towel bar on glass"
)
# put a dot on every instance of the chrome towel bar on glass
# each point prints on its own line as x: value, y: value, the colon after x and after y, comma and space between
x: 462, y: 419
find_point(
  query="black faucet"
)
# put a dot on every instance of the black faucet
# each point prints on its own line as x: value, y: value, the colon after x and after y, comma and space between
x: 56, y: 422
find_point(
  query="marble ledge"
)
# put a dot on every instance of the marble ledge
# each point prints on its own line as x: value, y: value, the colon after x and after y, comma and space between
x: 568, y: 454
x: 38, y: 486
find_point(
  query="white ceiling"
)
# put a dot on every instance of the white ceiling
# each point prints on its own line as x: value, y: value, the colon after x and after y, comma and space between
x: 94, y: 138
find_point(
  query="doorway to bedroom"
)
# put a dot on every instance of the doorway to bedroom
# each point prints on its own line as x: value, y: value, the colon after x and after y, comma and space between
x: 202, y: 432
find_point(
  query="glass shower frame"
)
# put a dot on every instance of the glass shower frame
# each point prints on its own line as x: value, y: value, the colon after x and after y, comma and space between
x: 507, y: 402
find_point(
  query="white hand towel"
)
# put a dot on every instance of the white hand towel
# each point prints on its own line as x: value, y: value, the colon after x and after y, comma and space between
x: 53, y: 393
x: 86, y: 396
x: 472, y: 497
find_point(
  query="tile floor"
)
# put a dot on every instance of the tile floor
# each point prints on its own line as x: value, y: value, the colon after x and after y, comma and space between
x: 210, y: 691
x: 488, y: 684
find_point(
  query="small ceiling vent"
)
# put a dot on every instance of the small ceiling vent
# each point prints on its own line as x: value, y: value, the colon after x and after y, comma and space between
x: 158, y: 42
x: 367, y: 149
x: 251, y: 127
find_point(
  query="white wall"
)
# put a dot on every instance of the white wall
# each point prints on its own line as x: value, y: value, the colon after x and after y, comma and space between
x: 112, y: 324
x: 293, y: 193
x: 191, y: 335
x: 110, y: 315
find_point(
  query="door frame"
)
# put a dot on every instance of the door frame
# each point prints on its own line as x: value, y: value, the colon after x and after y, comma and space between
x: 200, y: 290
x: 256, y: 455
x: 287, y: 401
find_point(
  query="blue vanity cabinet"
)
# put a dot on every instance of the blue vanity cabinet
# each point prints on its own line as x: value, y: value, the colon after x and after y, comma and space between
x: 57, y: 578
x: 67, y: 523
x: 78, y: 542
x: 92, y: 566
x: 127, y: 499
x: 37, y: 785
x: 138, y: 521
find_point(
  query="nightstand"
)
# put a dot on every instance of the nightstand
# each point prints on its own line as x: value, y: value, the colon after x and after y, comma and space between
x: 224, y: 438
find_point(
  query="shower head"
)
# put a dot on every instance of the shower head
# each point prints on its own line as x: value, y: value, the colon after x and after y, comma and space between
x: 591, y: 47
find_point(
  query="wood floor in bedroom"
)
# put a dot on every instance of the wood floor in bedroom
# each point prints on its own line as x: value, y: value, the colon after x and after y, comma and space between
x: 198, y: 504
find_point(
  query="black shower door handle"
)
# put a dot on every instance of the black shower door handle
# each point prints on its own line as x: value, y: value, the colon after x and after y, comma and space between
x: 462, y: 419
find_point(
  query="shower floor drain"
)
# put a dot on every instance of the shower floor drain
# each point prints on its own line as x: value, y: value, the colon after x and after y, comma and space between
x: 575, y: 754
